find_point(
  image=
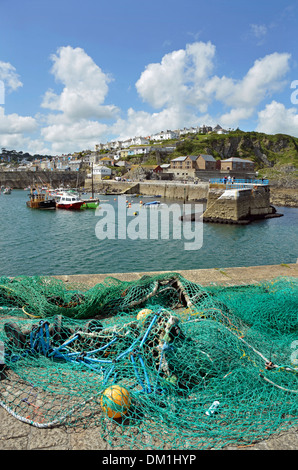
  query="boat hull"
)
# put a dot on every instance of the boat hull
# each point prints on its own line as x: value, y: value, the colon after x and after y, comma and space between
x: 41, y: 202
x: 153, y: 203
x: 44, y: 205
x: 90, y: 204
x: 70, y: 206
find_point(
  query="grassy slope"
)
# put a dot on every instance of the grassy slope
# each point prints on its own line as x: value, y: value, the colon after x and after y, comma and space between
x: 275, y: 156
x: 278, y: 149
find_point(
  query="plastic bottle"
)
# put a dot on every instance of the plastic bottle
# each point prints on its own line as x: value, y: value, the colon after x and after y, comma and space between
x: 213, y: 408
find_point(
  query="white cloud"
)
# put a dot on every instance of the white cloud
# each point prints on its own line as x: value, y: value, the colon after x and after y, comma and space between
x: 162, y: 83
x: 183, y: 80
x: 258, y: 30
x: 80, y: 105
x: 72, y: 136
x: 263, y: 79
x: 235, y: 116
x: 15, y: 124
x: 182, y: 88
x: 276, y: 118
x: 141, y: 123
x: 178, y: 79
x: 85, y: 86
x: 14, y: 128
x: 9, y: 76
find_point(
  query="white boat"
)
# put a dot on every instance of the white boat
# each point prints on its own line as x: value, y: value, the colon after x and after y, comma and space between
x: 6, y: 191
x: 69, y: 201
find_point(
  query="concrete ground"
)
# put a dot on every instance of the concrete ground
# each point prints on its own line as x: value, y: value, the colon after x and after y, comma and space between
x: 16, y: 435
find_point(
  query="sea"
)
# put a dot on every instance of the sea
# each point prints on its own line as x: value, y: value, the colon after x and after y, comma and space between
x: 123, y: 235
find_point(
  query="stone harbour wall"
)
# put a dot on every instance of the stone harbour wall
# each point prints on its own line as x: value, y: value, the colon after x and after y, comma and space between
x: 236, y: 205
x: 55, y: 179
x: 185, y: 192
x: 168, y: 190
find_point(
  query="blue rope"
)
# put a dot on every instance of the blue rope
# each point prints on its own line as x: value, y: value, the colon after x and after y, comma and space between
x: 40, y: 338
x: 62, y: 346
x: 136, y: 372
x: 148, y: 330
x: 145, y: 374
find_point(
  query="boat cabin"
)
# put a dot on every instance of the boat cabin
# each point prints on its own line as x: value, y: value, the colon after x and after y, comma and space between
x: 68, y: 199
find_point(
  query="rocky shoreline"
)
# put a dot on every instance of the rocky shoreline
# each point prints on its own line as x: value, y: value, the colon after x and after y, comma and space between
x: 284, y: 197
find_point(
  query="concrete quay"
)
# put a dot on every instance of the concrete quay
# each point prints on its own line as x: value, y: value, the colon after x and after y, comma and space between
x: 204, y: 277
x: 16, y: 435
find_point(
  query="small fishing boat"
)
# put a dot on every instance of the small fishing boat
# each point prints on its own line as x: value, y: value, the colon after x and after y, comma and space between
x: 91, y: 203
x: 69, y: 201
x: 56, y: 192
x: 7, y: 191
x: 40, y: 200
x: 151, y: 203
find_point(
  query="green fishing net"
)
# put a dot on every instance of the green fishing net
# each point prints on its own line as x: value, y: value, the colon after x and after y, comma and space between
x: 157, y: 363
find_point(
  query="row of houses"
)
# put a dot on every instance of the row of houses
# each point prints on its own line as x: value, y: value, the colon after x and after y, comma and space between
x: 64, y: 162
x: 160, y: 137
x: 191, y: 166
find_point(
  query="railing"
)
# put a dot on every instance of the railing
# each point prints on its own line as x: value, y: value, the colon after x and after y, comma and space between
x: 238, y: 183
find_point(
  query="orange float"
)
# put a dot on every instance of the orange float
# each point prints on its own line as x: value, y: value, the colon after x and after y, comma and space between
x: 115, y: 401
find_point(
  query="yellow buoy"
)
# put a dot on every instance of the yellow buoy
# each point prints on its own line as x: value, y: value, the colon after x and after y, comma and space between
x: 115, y: 401
x: 144, y: 313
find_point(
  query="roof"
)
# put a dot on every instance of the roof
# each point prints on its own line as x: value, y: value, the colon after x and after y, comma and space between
x: 237, y: 159
x: 208, y: 158
x: 179, y: 159
x: 101, y: 168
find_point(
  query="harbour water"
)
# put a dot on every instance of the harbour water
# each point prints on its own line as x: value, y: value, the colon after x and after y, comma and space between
x: 36, y: 242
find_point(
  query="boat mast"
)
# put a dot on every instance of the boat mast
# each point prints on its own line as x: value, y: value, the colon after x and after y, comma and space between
x: 92, y: 182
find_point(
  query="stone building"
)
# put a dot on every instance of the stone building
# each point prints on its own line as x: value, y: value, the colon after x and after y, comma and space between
x: 188, y: 165
x: 237, y: 164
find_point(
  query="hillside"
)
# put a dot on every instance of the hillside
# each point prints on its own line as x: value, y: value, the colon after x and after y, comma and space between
x: 275, y: 156
x: 265, y: 150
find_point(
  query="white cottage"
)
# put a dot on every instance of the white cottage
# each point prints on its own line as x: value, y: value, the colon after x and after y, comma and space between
x: 101, y: 171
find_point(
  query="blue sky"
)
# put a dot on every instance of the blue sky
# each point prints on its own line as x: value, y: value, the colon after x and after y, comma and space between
x: 79, y: 73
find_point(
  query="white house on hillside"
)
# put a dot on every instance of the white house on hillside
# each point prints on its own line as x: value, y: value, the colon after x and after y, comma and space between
x: 138, y: 151
x: 190, y: 130
x: 101, y: 171
x: 139, y: 141
x: 164, y: 135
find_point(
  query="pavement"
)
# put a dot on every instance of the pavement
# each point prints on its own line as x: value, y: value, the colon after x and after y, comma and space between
x: 16, y: 435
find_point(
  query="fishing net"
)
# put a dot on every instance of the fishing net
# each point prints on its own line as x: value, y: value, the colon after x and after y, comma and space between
x: 158, y: 363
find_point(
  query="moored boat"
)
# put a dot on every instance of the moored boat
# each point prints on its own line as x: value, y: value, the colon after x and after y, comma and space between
x: 40, y: 200
x: 7, y: 191
x: 69, y: 201
x: 152, y: 203
x: 91, y: 203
